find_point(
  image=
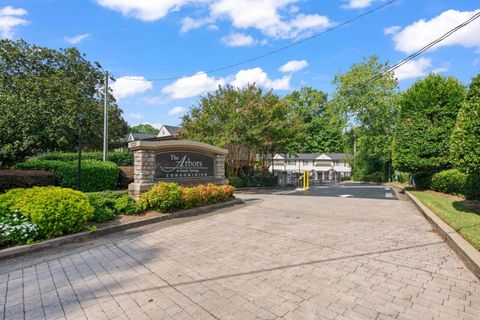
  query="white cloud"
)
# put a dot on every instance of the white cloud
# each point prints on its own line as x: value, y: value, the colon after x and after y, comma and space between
x: 238, y: 40
x: 420, y: 33
x: 146, y: 10
x: 137, y: 116
x: 10, y: 20
x: 357, y: 4
x: 176, y: 111
x: 392, y: 30
x: 192, y: 86
x: 414, y: 69
x: 276, y: 18
x: 76, y: 39
x: 200, y: 83
x: 265, y: 16
x: 260, y: 78
x: 293, y: 66
x: 129, y: 86
x: 190, y: 23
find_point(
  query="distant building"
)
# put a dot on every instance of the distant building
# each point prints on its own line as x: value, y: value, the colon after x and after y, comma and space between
x: 168, y: 131
x: 321, y: 166
x: 134, y: 136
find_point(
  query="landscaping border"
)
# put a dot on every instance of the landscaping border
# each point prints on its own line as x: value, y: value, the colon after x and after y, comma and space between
x: 87, y: 235
x: 466, y: 252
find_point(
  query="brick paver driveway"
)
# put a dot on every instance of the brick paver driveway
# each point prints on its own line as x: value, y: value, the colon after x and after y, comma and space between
x: 279, y: 257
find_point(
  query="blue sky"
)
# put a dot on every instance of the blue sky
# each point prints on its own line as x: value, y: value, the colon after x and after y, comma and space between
x: 142, y: 40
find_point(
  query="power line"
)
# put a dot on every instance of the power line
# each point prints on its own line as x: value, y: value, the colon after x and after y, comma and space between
x: 413, y: 55
x: 269, y: 53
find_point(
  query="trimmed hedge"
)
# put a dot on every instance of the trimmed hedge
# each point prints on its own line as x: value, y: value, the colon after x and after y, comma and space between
x: 472, y: 187
x: 449, y: 181
x: 123, y: 158
x: 236, y: 182
x: 422, y: 179
x: 11, y: 179
x: 96, y: 175
x: 168, y: 197
x: 54, y: 210
x: 259, y: 181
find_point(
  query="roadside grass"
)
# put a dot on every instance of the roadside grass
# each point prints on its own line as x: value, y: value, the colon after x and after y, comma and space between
x: 456, y: 212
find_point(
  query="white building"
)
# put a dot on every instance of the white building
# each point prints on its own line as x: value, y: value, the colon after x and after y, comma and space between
x: 322, y: 166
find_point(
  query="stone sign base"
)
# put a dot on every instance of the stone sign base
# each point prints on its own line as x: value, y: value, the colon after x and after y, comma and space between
x: 187, y: 163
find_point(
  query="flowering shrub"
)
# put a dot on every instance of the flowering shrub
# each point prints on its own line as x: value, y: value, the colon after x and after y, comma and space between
x: 167, y: 197
x: 15, y: 228
x: 164, y: 197
x: 54, y: 210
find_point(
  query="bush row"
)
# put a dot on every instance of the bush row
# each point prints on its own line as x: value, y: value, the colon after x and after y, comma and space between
x: 253, y: 181
x: 122, y: 158
x: 96, y: 175
x: 455, y: 182
x: 167, y: 197
x: 11, y: 179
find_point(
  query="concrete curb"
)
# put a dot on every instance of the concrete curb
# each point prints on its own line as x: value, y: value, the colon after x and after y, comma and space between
x: 466, y: 252
x: 87, y: 235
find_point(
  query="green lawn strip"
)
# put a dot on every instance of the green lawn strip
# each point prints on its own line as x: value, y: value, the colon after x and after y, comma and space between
x: 455, y: 214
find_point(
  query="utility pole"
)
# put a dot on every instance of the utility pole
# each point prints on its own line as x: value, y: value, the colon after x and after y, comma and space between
x: 105, y: 120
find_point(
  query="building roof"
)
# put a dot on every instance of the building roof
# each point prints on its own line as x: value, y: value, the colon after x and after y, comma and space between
x: 173, y: 130
x: 139, y: 136
x: 314, y: 156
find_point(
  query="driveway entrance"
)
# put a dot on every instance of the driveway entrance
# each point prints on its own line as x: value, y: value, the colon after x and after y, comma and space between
x: 277, y: 257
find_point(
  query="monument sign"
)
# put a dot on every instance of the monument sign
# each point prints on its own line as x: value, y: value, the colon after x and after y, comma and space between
x: 181, y: 161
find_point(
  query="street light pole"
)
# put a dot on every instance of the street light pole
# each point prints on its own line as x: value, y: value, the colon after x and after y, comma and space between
x: 79, y: 166
x: 105, y: 120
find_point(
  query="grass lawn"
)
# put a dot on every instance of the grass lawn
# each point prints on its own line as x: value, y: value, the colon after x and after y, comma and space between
x: 456, y: 212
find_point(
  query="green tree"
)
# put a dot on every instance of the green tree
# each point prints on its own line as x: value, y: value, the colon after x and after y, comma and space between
x: 42, y: 93
x: 465, y: 142
x: 144, y: 128
x: 428, y: 110
x: 323, y: 127
x: 248, y: 122
x: 365, y: 96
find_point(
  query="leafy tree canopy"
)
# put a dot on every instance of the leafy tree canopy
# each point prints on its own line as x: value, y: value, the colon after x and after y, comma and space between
x: 323, y: 127
x: 248, y: 122
x: 428, y: 110
x: 465, y: 142
x: 42, y: 93
x: 365, y: 97
x: 144, y: 128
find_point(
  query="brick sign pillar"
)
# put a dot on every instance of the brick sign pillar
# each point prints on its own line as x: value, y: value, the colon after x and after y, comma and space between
x: 180, y: 161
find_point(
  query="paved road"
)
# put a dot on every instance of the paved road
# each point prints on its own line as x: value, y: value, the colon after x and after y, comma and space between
x: 349, y: 190
x: 278, y: 257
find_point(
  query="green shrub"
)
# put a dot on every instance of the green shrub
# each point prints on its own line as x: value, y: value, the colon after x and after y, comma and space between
x: 163, y: 197
x: 374, y: 177
x: 236, y: 182
x: 104, y: 204
x: 472, y: 187
x: 347, y: 178
x: 122, y: 158
x: 402, y: 177
x: 54, y: 210
x: 125, y: 205
x: 96, y: 175
x: 110, y: 204
x: 422, y: 179
x: 167, y: 197
x: 259, y: 181
x: 449, y: 181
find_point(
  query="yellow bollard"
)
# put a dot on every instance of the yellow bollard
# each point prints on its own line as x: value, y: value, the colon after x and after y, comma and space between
x: 306, y: 180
